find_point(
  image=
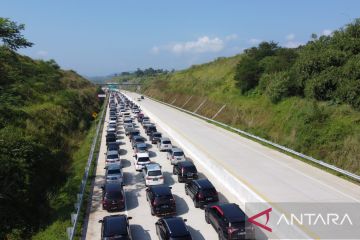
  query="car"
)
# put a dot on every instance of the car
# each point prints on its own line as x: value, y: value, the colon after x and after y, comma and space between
x: 112, y: 157
x: 176, y: 155
x: 133, y: 132
x: 161, y: 200
x: 135, y: 140
x: 202, y: 192
x: 154, y: 137
x: 186, y: 171
x: 127, y: 120
x: 145, y: 118
x: 136, y: 111
x: 139, y: 116
x: 113, y: 146
x: 150, y: 129
x: 113, y: 173
x: 111, y: 121
x: 141, y: 148
x: 229, y: 221
x: 145, y: 121
x: 113, y: 197
x: 172, y: 228
x: 126, y: 115
x: 141, y: 159
x: 152, y: 174
x: 128, y: 130
x: 142, y: 97
x: 115, y: 227
x: 164, y: 144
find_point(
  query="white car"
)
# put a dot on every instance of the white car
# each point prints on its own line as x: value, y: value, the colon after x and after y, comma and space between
x: 152, y: 174
x: 141, y: 159
x: 164, y: 144
x: 176, y: 155
x: 112, y: 122
x: 114, y: 173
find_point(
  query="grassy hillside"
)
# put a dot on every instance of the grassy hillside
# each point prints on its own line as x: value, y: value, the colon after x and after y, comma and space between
x: 306, y: 98
x: 45, y: 117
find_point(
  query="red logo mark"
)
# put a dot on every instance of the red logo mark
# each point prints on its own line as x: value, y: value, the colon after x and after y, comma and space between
x: 267, y: 212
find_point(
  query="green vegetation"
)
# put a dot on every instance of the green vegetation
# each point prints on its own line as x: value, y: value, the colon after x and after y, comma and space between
x: 45, y: 117
x: 305, y: 98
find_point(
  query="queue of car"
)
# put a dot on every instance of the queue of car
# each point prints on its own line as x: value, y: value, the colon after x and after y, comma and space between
x: 228, y: 220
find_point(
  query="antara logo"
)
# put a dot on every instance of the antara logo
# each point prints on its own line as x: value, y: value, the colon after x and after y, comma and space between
x: 265, y: 212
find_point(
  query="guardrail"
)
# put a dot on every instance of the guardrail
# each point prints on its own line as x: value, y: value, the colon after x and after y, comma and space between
x: 283, y: 148
x: 75, y: 216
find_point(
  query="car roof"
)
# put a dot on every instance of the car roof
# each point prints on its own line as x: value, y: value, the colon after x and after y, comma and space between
x: 153, y: 166
x: 160, y: 190
x: 156, y: 133
x: 203, y: 183
x: 113, y: 166
x: 176, y: 226
x: 141, y: 145
x: 177, y: 150
x: 231, y: 212
x: 112, y: 152
x: 110, y: 187
x: 142, y: 154
x: 186, y: 164
x: 165, y: 139
x: 115, y: 225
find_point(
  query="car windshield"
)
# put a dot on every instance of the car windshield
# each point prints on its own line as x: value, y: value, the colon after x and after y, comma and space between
x: 166, y: 142
x: 238, y: 225
x: 209, y: 192
x: 143, y: 148
x: 190, y: 169
x: 186, y: 237
x: 154, y: 173
x: 114, y: 171
x: 112, y: 156
x: 114, y: 195
x: 139, y: 140
x: 178, y: 154
x: 143, y: 159
x: 157, y: 135
x: 112, y: 147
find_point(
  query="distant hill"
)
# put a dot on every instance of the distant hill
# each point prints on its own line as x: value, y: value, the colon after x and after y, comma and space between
x: 306, y: 98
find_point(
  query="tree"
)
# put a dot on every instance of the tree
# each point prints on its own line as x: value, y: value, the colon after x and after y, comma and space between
x: 10, y: 34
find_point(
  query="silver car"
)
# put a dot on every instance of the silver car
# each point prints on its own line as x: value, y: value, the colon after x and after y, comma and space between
x: 114, y: 173
x: 176, y: 155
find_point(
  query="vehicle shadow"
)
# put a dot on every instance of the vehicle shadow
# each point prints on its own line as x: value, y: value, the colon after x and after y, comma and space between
x: 168, y: 178
x: 123, y: 151
x: 125, y: 163
x: 138, y: 232
x: 181, y: 205
x: 133, y: 191
x: 195, y: 234
x: 149, y: 145
x: 222, y: 198
x: 152, y: 154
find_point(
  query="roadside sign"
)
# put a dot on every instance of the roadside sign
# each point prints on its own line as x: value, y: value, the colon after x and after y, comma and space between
x: 94, y: 114
x: 101, y: 95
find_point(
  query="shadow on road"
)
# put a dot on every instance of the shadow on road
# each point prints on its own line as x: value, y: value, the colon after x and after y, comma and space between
x: 168, y: 178
x: 152, y: 154
x: 181, y: 205
x: 138, y: 232
x: 195, y: 234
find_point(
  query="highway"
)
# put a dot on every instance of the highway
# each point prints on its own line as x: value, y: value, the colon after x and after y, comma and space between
x: 143, y: 223
x: 268, y: 174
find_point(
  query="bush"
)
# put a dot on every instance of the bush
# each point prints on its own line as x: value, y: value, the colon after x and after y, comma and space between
x: 278, y: 85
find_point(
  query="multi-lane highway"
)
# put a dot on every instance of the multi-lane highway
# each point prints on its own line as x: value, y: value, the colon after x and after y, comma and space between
x: 260, y: 173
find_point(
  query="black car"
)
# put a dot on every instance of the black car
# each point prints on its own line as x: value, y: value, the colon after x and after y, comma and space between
x: 172, y: 228
x: 161, y: 200
x: 113, y: 146
x: 115, y: 227
x: 133, y: 132
x: 136, y: 139
x: 202, y: 192
x: 113, y: 197
x: 150, y: 129
x: 110, y: 137
x: 186, y: 171
x: 154, y: 137
x: 229, y: 221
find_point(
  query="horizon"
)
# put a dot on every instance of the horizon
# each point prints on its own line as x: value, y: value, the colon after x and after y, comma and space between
x: 100, y: 39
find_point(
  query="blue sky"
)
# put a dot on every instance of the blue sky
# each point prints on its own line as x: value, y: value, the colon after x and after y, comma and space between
x: 96, y: 37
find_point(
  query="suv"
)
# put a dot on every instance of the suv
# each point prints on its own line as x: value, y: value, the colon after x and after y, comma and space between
x: 164, y: 144
x: 152, y: 174
x: 113, y: 197
x: 186, y: 171
x: 172, y: 228
x: 140, y: 160
x: 112, y: 157
x: 115, y: 227
x: 110, y: 137
x: 114, y: 173
x: 141, y: 148
x: 161, y: 200
x: 202, y: 192
x: 150, y: 129
x: 133, y: 132
x: 154, y: 137
x: 135, y: 140
x: 176, y: 155
x: 113, y: 146
x: 229, y: 221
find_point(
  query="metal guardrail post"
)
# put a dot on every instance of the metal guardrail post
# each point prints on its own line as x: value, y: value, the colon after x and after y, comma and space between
x: 186, y: 101
x: 198, y: 106
x: 215, y: 115
x: 173, y: 101
x: 75, y: 216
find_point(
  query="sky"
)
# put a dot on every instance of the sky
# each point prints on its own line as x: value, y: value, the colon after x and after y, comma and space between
x: 97, y: 38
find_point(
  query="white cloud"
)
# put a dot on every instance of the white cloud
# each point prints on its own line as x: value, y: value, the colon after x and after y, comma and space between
x: 326, y: 32
x: 231, y: 37
x: 292, y: 44
x: 290, y: 37
x: 254, y: 41
x: 201, y: 45
x: 155, y: 49
x: 42, y: 53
